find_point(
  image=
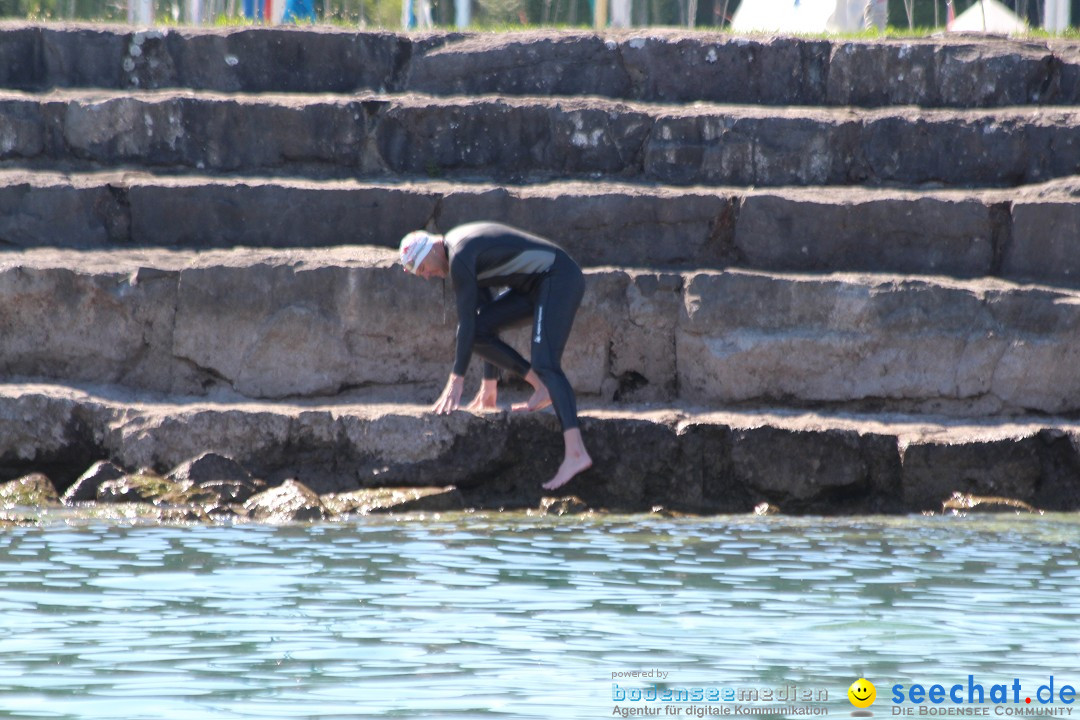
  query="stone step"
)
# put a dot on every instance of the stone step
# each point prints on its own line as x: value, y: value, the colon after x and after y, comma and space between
x: 301, y: 323
x: 643, y: 64
x: 676, y: 66
x: 519, y: 139
x: 677, y: 456
x: 1024, y: 234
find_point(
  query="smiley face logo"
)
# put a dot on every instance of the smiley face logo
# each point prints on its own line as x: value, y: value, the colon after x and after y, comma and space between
x: 862, y: 693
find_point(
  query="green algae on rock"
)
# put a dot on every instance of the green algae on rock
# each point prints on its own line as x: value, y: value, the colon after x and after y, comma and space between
x: 34, y: 490
x: 395, y: 500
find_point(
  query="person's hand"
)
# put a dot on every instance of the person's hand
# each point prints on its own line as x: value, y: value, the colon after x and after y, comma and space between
x: 450, y: 399
x: 485, y: 399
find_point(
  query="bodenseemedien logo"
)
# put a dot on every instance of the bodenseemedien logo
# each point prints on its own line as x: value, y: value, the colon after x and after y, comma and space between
x: 862, y: 695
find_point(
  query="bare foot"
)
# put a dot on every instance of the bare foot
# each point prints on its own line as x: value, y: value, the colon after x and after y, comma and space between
x: 480, y: 406
x: 539, y: 400
x: 482, y: 403
x: 571, y: 466
x: 486, y: 398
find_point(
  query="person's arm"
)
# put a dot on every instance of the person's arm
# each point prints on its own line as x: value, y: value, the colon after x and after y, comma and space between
x: 465, y: 290
x: 488, y: 394
x: 491, y: 371
x: 450, y: 398
x: 467, y: 293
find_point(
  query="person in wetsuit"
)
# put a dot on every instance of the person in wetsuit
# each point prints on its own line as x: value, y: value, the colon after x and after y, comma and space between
x: 542, y: 283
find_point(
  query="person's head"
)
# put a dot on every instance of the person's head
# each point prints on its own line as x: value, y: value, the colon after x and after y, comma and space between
x: 417, y: 256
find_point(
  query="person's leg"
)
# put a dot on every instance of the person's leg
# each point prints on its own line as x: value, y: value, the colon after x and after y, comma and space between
x: 558, y: 298
x: 539, y: 400
x: 510, y: 309
x: 575, y: 460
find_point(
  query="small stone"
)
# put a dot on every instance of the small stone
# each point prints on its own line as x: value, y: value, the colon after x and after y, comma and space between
x: 568, y: 505
x: 183, y: 515
x: 396, y: 500
x: 963, y: 503
x: 142, y: 487
x: 218, y: 474
x: 85, y: 488
x: 292, y: 501
x: 34, y: 490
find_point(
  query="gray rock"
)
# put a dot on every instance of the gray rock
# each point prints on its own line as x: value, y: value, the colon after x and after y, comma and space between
x: 292, y: 501
x: 1041, y: 248
x: 653, y: 64
x: 531, y: 63
x: 810, y: 469
x: 931, y: 73
x: 86, y: 487
x: 679, y: 457
x: 255, y: 60
x: 1023, y: 235
x: 312, y: 326
x: 525, y: 138
x: 624, y: 225
x: 309, y: 323
x: 1009, y: 467
x: 119, y: 318
x: 209, y: 467
x: 218, y: 474
x: 673, y: 67
x: 78, y: 56
x: 748, y: 336
x: 41, y: 209
x: 283, y: 213
x: 809, y: 230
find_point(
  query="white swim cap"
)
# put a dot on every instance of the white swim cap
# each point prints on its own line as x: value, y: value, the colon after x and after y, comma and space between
x: 414, y: 248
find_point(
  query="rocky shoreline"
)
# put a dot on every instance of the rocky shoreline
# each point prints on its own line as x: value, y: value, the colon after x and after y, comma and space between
x: 201, y: 492
x: 208, y: 489
x: 273, y: 461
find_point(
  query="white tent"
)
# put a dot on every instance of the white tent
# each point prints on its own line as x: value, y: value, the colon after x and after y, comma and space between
x: 988, y: 16
x: 798, y: 16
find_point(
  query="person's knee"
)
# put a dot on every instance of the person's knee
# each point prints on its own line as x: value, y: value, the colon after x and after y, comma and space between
x: 485, y: 332
x: 562, y: 395
x: 553, y: 378
x: 544, y: 367
x: 487, y: 345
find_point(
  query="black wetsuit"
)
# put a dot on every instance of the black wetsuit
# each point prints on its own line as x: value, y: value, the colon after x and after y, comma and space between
x: 543, y: 283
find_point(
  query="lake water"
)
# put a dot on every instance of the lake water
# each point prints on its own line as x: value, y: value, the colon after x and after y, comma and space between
x: 508, y: 616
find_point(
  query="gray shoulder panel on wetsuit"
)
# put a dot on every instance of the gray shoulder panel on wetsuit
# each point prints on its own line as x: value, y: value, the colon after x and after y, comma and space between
x: 527, y: 262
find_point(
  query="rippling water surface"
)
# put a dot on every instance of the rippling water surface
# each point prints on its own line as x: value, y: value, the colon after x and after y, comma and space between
x: 506, y: 616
